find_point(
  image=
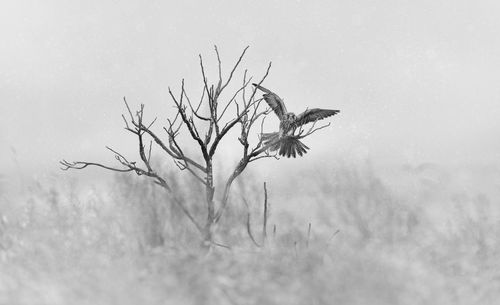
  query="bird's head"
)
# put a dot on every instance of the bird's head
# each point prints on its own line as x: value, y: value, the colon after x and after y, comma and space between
x: 290, y: 116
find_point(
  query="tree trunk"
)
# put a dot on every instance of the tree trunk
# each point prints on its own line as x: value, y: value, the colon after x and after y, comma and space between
x: 210, y: 204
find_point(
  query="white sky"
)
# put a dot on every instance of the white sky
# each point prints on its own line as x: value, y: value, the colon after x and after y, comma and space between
x: 416, y: 81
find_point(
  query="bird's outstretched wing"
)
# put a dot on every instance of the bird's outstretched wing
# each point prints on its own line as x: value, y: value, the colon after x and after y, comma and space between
x: 274, y: 101
x: 312, y: 115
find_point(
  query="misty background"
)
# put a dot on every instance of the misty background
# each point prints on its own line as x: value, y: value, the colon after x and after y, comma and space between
x: 395, y: 203
x: 416, y: 82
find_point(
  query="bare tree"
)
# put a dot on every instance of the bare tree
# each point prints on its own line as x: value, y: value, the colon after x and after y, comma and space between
x: 207, y: 131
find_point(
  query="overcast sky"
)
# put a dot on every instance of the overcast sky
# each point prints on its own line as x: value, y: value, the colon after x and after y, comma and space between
x: 416, y: 81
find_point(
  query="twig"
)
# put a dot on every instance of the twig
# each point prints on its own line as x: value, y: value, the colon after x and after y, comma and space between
x: 195, y: 112
x: 331, y: 239
x: 308, y: 235
x: 264, y: 225
x: 81, y: 165
x: 311, y: 131
x: 220, y: 72
x: 221, y: 245
x: 234, y: 68
x: 249, y: 229
x: 190, y: 125
x: 233, y: 98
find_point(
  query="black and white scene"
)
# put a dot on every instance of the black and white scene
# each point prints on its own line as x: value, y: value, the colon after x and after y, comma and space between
x: 249, y: 152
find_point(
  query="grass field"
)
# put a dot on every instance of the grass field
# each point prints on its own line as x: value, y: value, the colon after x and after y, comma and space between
x: 409, y: 235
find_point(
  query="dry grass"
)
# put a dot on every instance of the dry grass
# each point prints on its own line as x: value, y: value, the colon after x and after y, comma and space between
x: 414, y: 236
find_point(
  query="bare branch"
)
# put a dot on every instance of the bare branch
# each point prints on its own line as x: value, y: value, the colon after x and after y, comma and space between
x: 128, y: 108
x: 266, y: 155
x: 228, y: 127
x: 186, y: 212
x: 118, y: 154
x: 220, y: 245
x: 234, y: 98
x: 131, y: 167
x: 249, y: 229
x: 210, y: 97
x: 172, y: 154
x: 149, y: 151
x: 254, y: 91
x: 201, y: 99
x: 151, y: 124
x: 244, y: 91
x: 126, y: 123
x: 234, y: 68
x: 201, y: 180
x: 311, y: 130
x: 140, y: 132
x: 195, y: 112
x: 218, y: 90
x: 81, y: 165
x: 256, y: 115
x: 187, y: 161
x: 233, y: 122
x: 190, y: 125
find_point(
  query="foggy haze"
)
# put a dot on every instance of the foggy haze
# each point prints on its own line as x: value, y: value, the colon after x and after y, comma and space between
x: 394, y: 203
x: 415, y: 81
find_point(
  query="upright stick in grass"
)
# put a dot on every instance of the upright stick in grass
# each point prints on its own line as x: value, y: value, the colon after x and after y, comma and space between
x: 264, y: 223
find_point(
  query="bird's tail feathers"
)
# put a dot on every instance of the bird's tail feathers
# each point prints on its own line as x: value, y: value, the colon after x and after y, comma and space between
x: 291, y: 147
x: 272, y: 139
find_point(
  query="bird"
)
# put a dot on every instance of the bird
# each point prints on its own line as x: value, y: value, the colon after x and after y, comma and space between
x: 285, y: 141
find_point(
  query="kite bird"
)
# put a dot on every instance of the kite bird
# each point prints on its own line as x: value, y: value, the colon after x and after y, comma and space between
x: 286, y: 141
